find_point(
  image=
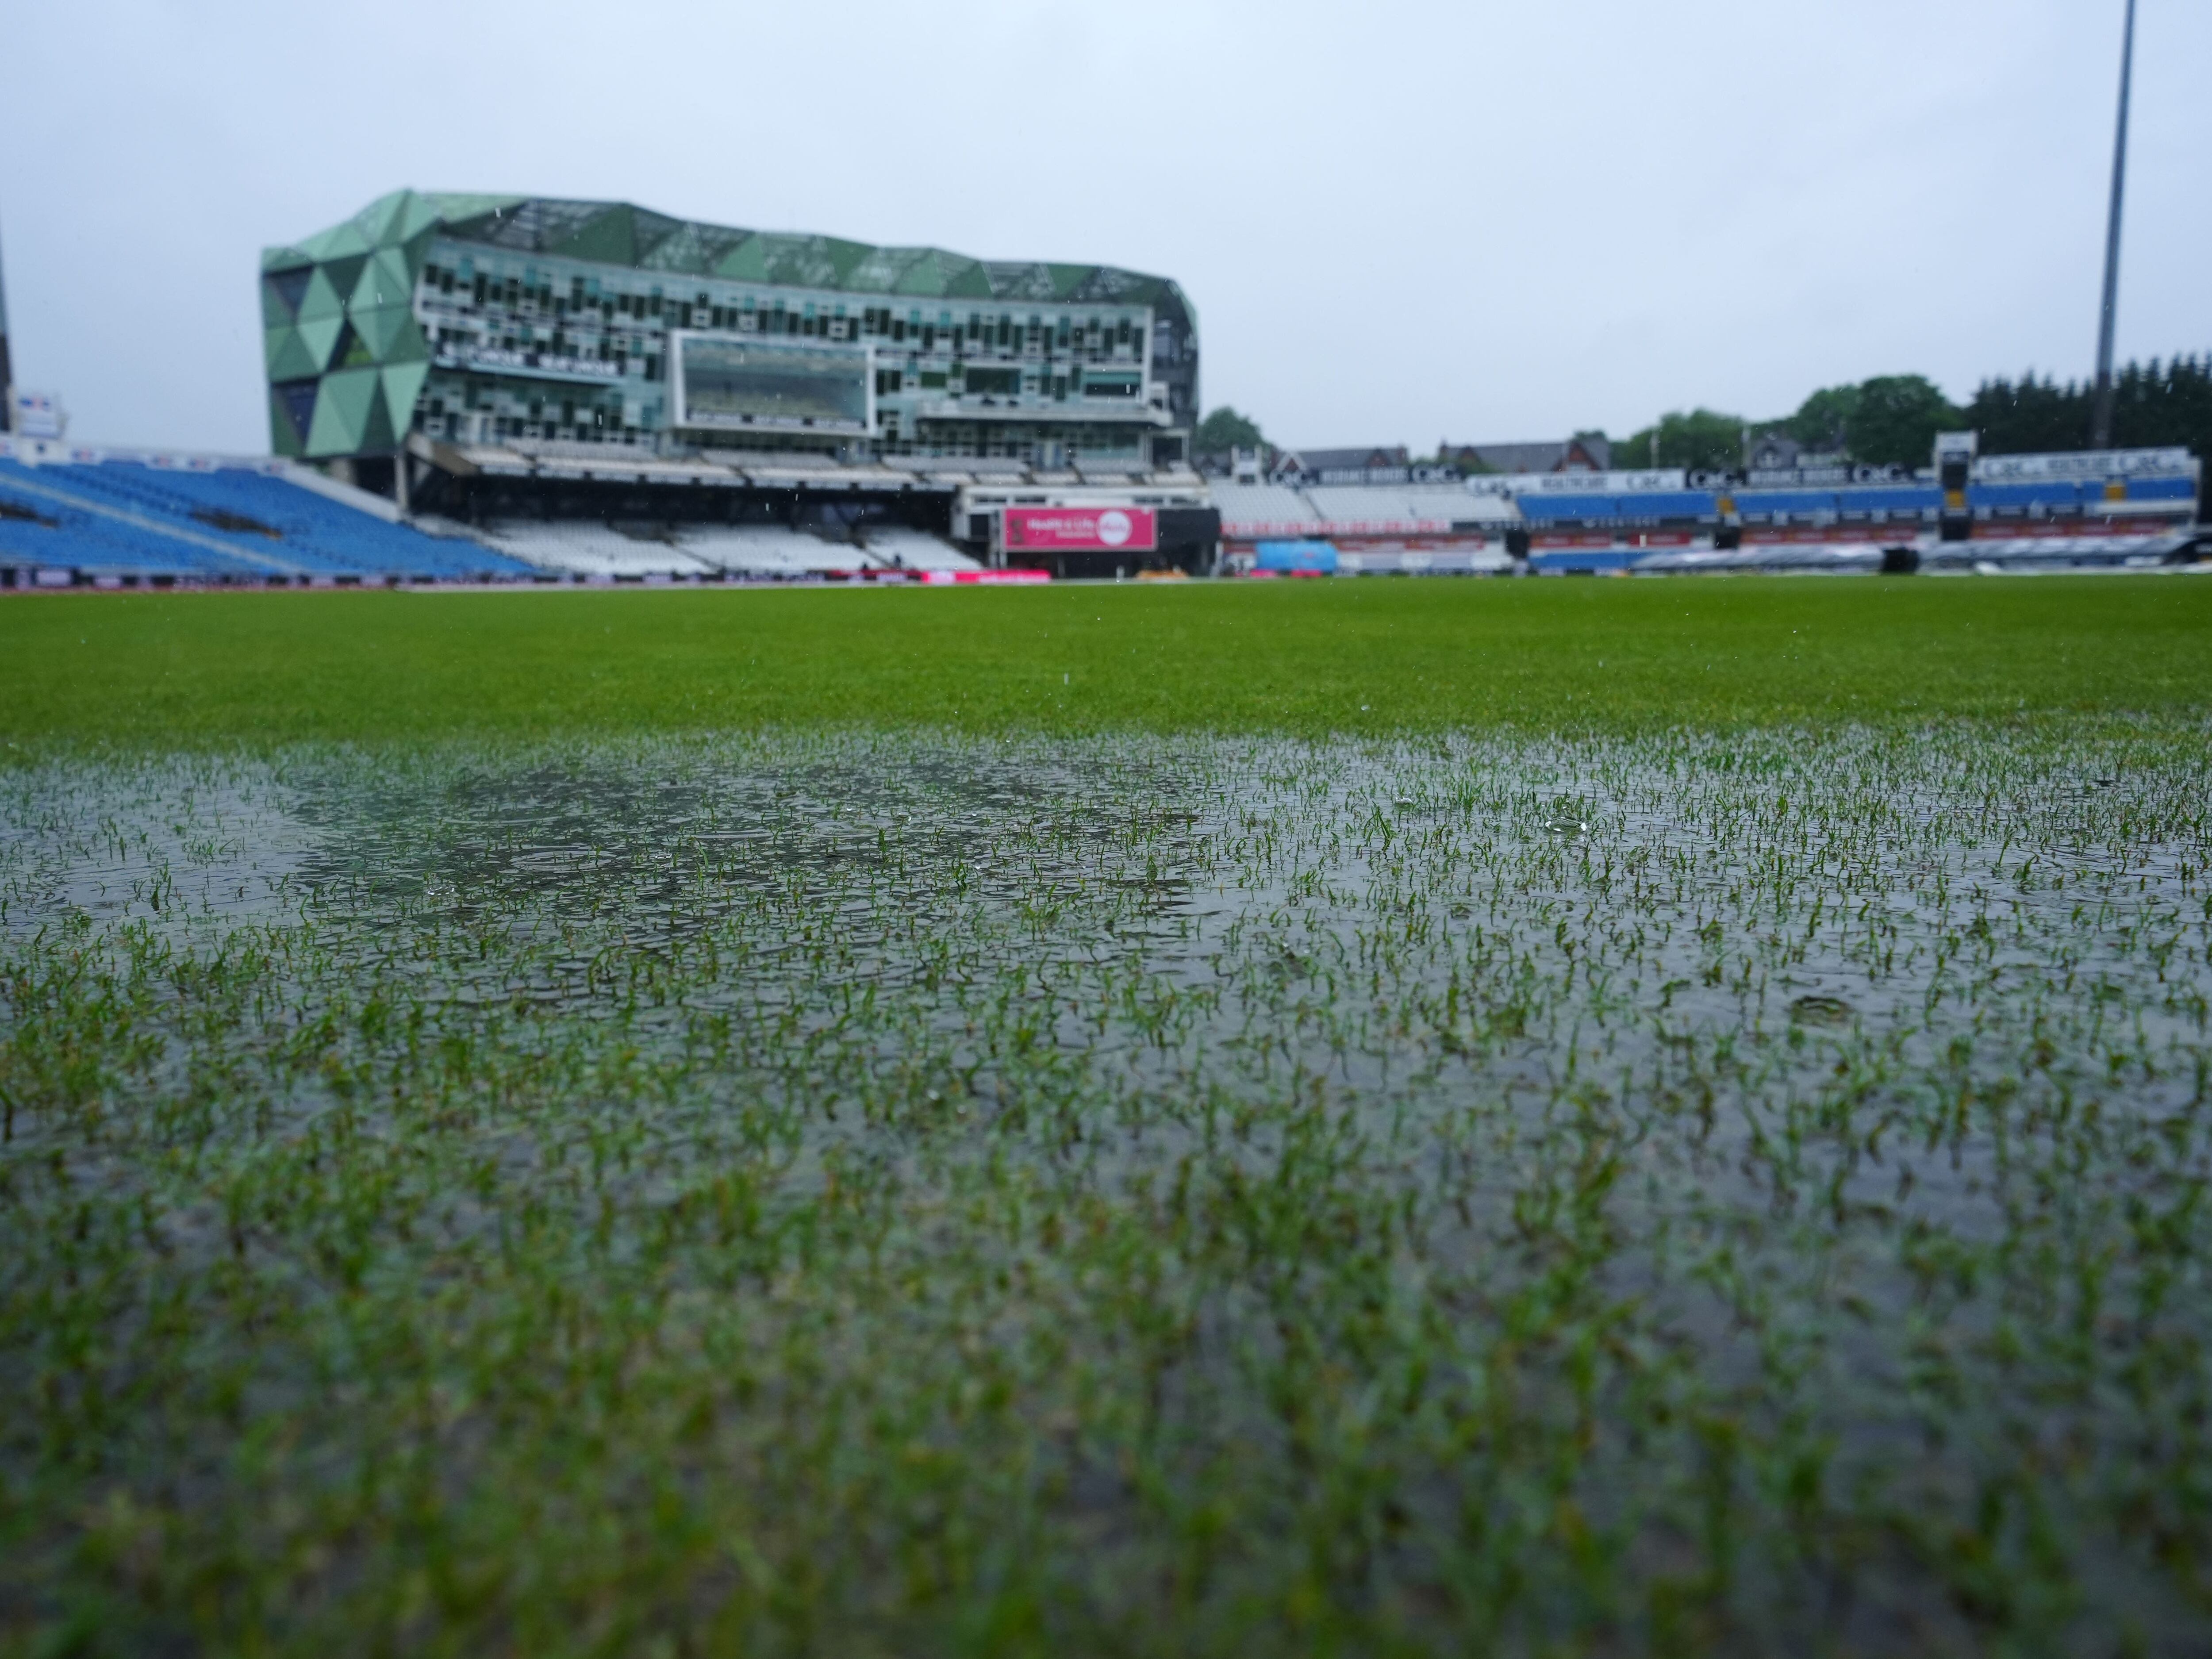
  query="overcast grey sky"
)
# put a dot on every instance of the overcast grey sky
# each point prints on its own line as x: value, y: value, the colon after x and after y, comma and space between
x: 1399, y: 222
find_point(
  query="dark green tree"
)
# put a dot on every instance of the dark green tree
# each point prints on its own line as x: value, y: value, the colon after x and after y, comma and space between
x: 1225, y: 429
x: 1699, y: 439
x: 1895, y: 419
x: 1823, y: 421
x: 2152, y: 407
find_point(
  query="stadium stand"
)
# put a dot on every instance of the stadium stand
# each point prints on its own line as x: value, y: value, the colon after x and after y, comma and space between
x: 1892, y: 499
x: 1699, y: 505
x: 1569, y: 509
x: 1782, y: 505
x: 2046, y: 495
x: 577, y: 547
x: 1277, y: 506
x: 1440, y: 505
x: 40, y: 531
x: 2161, y: 490
x: 913, y: 550
x: 592, y: 551
x: 100, y: 516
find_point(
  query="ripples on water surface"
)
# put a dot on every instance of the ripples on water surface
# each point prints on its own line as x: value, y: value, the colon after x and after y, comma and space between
x: 1167, y: 1195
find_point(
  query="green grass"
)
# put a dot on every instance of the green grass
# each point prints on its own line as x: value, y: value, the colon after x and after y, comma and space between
x: 1394, y: 1118
x: 1300, y: 659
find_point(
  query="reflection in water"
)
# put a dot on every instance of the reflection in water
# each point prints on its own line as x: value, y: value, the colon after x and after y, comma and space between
x: 1800, y: 1081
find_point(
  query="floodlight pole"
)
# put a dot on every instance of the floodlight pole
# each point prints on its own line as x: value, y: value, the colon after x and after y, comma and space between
x: 2100, y: 427
x: 7, y: 371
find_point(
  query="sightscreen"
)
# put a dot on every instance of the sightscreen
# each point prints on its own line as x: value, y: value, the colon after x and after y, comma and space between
x: 721, y: 382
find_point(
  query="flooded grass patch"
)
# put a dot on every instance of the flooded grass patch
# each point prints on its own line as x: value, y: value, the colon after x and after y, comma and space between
x: 1152, y: 1194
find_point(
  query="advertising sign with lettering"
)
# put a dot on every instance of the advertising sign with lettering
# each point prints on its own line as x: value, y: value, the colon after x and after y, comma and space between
x: 1081, y: 529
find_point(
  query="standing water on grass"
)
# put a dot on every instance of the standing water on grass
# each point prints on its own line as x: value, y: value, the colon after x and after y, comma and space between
x: 896, y: 1195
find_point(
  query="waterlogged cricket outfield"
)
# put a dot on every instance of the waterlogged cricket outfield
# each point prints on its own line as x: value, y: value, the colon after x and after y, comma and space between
x: 1379, y: 1118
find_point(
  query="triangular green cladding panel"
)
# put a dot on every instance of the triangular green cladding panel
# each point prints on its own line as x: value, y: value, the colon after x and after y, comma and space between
x: 287, y: 355
x: 451, y: 207
x: 417, y: 217
x: 390, y: 334
x: 378, y: 434
x: 321, y: 298
x: 351, y: 350
x: 378, y: 221
x: 334, y: 243
x: 283, y: 437
x: 384, y: 280
x: 745, y: 263
x: 972, y: 283
x: 319, y: 337
x: 609, y: 237
x: 344, y: 272
x: 342, y: 410
x: 924, y: 278
x: 414, y: 252
x: 402, y: 384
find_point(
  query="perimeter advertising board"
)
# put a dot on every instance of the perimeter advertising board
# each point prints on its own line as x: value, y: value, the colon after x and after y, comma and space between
x: 718, y: 382
x: 1081, y: 530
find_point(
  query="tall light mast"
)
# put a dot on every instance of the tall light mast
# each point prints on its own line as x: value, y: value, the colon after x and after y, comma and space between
x: 6, y: 373
x: 2100, y: 426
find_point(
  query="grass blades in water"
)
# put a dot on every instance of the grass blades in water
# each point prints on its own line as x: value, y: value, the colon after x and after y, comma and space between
x: 1187, y: 1195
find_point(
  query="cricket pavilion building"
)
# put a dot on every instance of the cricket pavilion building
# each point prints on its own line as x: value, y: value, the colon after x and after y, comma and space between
x: 514, y: 355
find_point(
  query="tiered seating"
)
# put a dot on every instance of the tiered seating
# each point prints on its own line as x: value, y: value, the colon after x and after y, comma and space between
x: 313, y: 536
x: 772, y: 551
x: 1277, y: 505
x: 1780, y: 505
x: 1676, y: 504
x: 2157, y: 489
x: 915, y: 549
x: 73, y: 539
x: 1887, y: 498
x: 583, y: 548
x: 2049, y: 495
x: 1440, y: 504
x: 1540, y: 508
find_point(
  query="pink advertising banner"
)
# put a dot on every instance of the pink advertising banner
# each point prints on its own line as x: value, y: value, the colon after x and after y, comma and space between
x: 1069, y: 529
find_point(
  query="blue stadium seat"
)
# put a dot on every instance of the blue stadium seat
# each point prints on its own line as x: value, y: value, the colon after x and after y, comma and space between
x: 1668, y: 504
x: 2054, y: 494
x: 2161, y: 490
x: 307, y: 533
x: 1756, y: 504
x: 1890, y: 498
x: 42, y: 531
x: 1583, y: 508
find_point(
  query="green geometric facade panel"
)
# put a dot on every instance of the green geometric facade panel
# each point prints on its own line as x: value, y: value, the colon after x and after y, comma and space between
x: 275, y: 313
x: 402, y: 384
x: 344, y: 273
x: 377, y: 220
x: 283, y: 437
x: 341, y: 411
x: 382, y: 328
x: 417, y: 219
x: 336, y: 242
x: 287, y: 355
x: 319, y: 337
x: 384, y: 280
x: 321, y: 299
x: 378, y: 434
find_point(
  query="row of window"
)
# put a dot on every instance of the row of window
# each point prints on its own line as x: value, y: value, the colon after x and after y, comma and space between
x: 1097, y: 337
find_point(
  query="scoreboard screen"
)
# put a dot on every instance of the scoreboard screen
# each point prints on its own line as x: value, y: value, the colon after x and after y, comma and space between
x: 718, y: 382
